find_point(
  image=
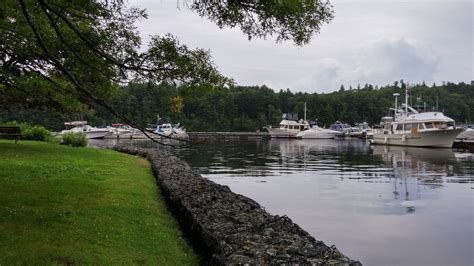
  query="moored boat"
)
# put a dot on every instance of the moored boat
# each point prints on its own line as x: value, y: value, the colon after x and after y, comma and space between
x: 290, y: 126
x: 466, y: 136
x: 342, y: 128
x: 316, y: 132
x: 174, y: 132
x: 120, y: 130
x: 410, y: 128
x: 83, y: 127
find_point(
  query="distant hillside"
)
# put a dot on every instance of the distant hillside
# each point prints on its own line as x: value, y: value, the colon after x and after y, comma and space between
x: 250, y: 108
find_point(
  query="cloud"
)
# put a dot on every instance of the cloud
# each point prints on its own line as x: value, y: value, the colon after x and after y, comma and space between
x: 395, y: 59
x: 374, y: 42
x: 379, y: 63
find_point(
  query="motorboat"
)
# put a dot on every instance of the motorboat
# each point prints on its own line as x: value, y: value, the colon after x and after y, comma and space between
x: 466, y: 136
x: 119, y: 130
x: 170, y: 131
x: 83, y: 127
x: 289, y: 126
x: 411, y: 128
x: 361, y: 130
x: 342, y: 128
x: 316, y: 132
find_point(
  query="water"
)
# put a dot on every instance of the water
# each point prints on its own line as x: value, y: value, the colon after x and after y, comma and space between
x: 378, y: 204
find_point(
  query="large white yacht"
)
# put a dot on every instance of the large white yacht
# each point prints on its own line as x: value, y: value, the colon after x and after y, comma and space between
x: 411, y: 128
x: 290, y: 126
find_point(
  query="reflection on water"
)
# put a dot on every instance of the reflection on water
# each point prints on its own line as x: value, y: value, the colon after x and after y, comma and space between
x: 379, y: 204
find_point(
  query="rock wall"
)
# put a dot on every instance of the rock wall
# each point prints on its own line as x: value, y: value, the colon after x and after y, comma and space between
x: 228, y: 228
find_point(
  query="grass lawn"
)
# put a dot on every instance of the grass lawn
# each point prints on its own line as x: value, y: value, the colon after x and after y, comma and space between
x: 63, y: 205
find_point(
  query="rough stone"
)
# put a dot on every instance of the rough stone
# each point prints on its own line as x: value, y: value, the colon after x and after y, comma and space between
x: 228, y: 228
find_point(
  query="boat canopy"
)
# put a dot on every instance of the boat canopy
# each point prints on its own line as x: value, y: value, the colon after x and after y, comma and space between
x: 429, y: 116
x: 291, y: 122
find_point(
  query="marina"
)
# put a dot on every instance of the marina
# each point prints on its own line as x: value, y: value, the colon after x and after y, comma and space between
x: 236, y: 133
x: 383, y: 205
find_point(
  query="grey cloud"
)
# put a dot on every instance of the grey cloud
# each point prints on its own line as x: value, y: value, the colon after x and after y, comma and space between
x: 380, y: 63
x: 369, y: 41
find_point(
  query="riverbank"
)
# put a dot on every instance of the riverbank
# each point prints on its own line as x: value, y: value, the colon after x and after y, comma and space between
x: 229, y: 228
x: 63, y: 205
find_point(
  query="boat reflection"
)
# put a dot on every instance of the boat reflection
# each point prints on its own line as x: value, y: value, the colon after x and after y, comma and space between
x: 430, y: 166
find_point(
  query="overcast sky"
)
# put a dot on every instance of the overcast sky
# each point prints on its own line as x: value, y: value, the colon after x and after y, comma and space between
x: 368, y: 41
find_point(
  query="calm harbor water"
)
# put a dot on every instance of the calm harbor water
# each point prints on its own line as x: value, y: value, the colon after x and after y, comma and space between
x: 378, y: 204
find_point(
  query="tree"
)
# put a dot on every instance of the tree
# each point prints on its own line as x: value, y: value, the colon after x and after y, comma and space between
x: 70, y: 56
x: 295, y: 20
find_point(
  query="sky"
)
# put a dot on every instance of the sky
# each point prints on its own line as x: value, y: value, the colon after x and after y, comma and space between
x: 368, y: 41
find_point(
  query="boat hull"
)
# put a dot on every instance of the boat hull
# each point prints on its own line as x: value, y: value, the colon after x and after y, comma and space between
x: 96, y: 134
x: 93, y: 134
x: 432, y: 138
x: 282, y: 133
x: 308, y: 134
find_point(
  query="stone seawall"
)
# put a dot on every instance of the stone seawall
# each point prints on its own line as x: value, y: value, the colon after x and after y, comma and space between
x: 228, y: 228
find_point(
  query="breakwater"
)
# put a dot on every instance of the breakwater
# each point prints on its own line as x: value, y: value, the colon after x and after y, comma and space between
x: 228, y: 135
x: 228, y: 228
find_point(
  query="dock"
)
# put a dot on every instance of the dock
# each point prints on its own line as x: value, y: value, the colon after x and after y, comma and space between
x: 464, y: 145
x: 205, y: 135
x: 228, y: 135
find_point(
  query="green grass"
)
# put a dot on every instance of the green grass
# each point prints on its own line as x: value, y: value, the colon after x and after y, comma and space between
x: 63, y: 205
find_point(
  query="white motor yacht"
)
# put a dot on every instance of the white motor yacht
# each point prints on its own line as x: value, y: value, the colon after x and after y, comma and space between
x: 410, y: 128
x: 83, y: 127
x: 290, y: 126
x: 316, y: 132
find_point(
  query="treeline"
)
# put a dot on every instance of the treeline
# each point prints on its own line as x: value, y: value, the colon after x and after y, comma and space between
x: 251, y: 108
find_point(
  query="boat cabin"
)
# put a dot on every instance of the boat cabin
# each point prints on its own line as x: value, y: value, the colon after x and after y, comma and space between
x: 421, y: 122
x: 293, y: 125
x: 163, y: 127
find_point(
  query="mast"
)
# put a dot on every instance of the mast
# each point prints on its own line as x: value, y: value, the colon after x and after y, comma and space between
x: 396, y: 104
x: 406, y: 101
x: 304, y: 111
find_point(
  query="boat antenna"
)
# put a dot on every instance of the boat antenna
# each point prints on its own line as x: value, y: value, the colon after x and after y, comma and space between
x: 396, y: 97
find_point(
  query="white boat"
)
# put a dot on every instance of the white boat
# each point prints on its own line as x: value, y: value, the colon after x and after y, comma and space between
x: 466, y: 136
x: 316, y: 132
x: 83, y: 127
x: 119, y: 130
x: 342, y: 128
x: 174, y: 132
x: 360, y: 130
x: 410, y: 128
x: 290, y: 126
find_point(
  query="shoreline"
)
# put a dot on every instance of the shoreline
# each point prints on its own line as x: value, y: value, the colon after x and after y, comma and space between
x: 228, y: 228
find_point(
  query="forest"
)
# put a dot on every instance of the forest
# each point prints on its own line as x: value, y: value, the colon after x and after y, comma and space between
x: 250, y: 108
